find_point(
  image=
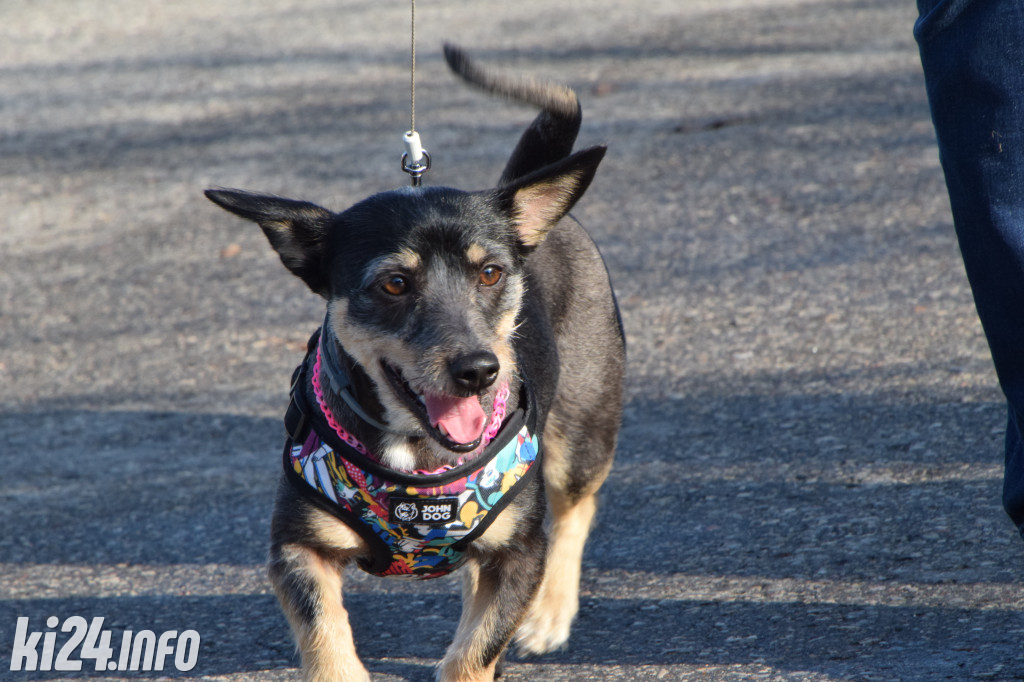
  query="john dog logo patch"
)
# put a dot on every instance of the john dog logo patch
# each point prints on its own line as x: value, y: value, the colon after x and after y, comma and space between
x: 416, y: 512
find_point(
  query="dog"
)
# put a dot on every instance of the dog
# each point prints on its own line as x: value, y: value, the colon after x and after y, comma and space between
x: 459, y: 406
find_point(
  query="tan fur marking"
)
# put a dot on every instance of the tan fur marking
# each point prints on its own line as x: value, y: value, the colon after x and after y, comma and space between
x: 553, y: 610
x: 476, y: 254
x: 504, y: 334
x: 291, y: 253
x: 482, y: 675
x: 501, y: 530
x: 541, y: 205
x: 367, y: 347
x: 460, y: 662
x: 332, y: 533
x: 285, y: 241
x: 403, y: 259
x: 326, y: 645
x: 408, y: 259
x: 507, y: 361
x: 506, y: 326
x: 557, y: 462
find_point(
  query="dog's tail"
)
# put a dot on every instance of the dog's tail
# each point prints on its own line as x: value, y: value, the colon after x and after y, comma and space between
x: 551, y: 135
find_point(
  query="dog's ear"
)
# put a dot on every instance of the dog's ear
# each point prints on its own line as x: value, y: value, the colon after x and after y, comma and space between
x: 536, y: 202
x: 296, y: 229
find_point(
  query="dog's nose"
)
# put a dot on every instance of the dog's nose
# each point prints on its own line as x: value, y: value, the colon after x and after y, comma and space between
x: 475, y: 371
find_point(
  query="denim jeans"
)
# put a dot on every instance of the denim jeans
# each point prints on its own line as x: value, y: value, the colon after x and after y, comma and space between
x: 972, y: 52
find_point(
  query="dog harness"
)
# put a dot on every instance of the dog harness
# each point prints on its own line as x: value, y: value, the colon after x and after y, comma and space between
x: 416, y: 524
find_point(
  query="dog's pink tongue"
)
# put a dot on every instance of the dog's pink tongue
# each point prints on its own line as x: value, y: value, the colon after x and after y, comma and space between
x: 462, y: 418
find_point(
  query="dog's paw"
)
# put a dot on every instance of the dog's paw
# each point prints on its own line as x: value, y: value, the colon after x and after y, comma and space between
x: 348, y: 673
x: 360, y: 675
x: 447, y: 672
x: 546, y: 628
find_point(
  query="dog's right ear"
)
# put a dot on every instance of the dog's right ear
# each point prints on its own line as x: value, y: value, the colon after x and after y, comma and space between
x: 296, y: 229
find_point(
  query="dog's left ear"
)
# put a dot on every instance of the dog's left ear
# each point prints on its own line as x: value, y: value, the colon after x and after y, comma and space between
x: 536, y: 202
x: 296, y: 229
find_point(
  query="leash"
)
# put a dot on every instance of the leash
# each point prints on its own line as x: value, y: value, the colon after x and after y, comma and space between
x: 415, y: 160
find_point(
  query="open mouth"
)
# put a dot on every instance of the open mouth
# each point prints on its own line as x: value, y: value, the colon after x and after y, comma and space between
x: 454, y: 422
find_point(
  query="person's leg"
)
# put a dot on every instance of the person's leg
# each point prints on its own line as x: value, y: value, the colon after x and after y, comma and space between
x: 972, y: 52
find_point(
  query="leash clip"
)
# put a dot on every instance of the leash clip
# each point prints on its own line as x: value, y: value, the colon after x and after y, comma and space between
x: 415, y: 160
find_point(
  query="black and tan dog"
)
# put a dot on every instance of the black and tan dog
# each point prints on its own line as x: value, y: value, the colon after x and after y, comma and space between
x: 471, y: 340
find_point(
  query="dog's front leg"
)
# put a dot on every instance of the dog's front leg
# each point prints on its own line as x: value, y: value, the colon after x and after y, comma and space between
x: 496, y: 592
x: 308, y: 586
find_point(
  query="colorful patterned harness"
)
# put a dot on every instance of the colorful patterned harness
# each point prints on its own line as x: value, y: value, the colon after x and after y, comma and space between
x: 416, y: 524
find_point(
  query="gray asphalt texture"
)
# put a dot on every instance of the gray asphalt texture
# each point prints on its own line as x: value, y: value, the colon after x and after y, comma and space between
x: 807, y: 484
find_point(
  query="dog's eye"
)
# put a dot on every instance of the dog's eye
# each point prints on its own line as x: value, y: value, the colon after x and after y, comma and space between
x: 490, y: 275
x: 396, y: 285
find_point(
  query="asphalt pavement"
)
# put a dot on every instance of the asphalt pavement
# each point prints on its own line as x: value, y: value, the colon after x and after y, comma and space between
x: 807, y: 483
